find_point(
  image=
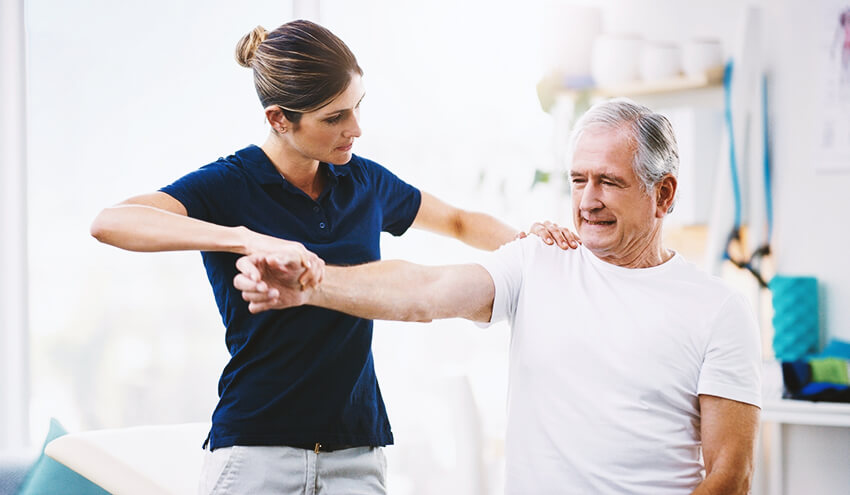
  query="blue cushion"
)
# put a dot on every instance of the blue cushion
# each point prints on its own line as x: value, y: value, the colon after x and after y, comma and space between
x: 48, y: 477
x: 13, y: 470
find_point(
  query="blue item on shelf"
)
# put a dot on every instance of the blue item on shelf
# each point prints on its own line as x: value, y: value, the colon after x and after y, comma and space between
x: 796, y: 319
x: 836, y: 348
x: 797, y: 376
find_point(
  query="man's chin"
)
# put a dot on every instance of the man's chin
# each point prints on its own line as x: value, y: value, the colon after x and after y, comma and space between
x: 596, y: 246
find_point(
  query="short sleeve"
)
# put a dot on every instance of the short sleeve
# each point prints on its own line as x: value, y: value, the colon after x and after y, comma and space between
x: 732, y: 365
x: 199, y: 190
x: 398, y: 200
x: 505, y: 267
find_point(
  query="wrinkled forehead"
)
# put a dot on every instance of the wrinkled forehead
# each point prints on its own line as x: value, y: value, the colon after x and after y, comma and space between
x: 600, y: 147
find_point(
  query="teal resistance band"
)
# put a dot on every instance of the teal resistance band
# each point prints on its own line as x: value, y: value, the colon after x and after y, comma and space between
x: 733, y: 161
x: 768, y: 194
x: 735, y: 235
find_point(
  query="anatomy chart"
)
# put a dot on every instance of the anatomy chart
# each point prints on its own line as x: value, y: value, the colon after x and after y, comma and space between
x: 834, y: 54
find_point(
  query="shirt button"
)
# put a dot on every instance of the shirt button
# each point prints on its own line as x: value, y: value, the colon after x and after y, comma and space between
x: 322, y: 225
x: 316, y: 209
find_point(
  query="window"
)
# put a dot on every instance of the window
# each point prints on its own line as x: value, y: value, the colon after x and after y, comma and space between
x: 125, y: 98
x: 120, y: 103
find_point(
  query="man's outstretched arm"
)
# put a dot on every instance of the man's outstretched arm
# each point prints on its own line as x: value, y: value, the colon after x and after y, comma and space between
x: 383, y: 290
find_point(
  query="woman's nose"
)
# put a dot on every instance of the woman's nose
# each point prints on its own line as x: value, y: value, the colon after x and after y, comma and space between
x: 353, y: 129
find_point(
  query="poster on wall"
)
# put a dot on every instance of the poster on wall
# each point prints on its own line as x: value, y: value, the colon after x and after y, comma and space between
x: 834, y: 54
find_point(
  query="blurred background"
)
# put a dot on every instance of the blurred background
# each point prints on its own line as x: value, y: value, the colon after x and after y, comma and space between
x: 471, y: 101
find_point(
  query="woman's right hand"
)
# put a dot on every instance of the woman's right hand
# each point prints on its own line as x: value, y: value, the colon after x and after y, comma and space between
x: 288, y: 253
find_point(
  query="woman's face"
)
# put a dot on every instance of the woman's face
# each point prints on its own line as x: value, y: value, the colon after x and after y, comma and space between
x: 328, y: 134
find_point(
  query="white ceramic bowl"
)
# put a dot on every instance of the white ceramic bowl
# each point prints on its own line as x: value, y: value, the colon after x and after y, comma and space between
x: 660, y: 61
x: 700, y: 55
x: 614, y: 59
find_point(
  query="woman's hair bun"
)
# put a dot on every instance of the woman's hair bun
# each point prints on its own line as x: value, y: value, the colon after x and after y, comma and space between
x: 247, y: 46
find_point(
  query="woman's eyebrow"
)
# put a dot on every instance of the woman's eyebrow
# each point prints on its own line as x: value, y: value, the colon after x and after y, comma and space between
x: 345, y: 109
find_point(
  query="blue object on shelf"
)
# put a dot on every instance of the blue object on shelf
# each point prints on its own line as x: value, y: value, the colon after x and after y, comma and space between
x: 796, y: 319
x: 836, y: 348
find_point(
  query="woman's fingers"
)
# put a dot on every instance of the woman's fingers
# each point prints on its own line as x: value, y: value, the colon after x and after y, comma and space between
x: 552, y: 233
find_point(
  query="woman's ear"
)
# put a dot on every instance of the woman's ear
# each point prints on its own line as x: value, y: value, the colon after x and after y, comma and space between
x: 276, y: 119
x: 665, y: 193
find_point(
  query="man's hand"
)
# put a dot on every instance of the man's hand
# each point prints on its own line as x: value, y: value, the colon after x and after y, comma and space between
x: 275, y: 282
x: 552, y: 233
x: 286, y: 252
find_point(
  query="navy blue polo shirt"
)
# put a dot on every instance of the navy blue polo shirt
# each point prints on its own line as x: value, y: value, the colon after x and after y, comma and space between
x: 300, y: 375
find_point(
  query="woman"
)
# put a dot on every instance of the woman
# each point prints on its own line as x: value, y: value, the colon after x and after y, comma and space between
x: 299, y: 401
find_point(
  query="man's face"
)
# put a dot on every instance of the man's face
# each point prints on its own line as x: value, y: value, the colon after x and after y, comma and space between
x: 613, y: 214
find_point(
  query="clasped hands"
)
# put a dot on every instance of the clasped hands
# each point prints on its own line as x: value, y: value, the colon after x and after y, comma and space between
x: 288, y: 277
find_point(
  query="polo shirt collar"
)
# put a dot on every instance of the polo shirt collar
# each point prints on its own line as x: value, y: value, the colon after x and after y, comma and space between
x: 263, y: 170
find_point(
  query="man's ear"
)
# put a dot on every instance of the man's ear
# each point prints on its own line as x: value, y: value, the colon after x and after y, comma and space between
x: 276, y: 118
x: 665, y: 193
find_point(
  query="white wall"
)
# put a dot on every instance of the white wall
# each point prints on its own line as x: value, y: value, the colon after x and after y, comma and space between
x: 14, y: 377
x: 811, y: 231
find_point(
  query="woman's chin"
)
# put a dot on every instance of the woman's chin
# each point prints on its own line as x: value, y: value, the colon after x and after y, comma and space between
x: 339, y: 157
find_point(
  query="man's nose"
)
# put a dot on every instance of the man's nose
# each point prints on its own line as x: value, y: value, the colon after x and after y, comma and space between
x: 591, y: 197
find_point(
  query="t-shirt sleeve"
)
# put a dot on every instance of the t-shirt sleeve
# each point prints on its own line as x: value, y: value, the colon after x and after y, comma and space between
x: 398, y: 200
x: 505, y: 268
x: 201, y: 190
x: 732, y: 365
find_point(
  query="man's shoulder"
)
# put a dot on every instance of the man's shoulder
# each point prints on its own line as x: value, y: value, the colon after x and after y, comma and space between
x: 701, y: 285
x: 534, y: 250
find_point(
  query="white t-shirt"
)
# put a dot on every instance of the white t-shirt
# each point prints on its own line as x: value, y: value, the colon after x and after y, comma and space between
x: 606, y: 365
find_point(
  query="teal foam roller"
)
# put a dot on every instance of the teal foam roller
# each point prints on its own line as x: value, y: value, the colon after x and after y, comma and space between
x: 796, y: 329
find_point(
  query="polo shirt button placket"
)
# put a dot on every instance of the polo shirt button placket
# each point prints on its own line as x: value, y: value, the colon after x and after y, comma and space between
x: 322, y: 221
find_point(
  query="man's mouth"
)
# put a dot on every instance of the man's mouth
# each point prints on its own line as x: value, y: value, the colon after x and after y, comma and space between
x: 598, y: 222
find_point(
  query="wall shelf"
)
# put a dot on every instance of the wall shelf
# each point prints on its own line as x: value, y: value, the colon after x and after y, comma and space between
x: 681, y: 90
x: 801, y: 412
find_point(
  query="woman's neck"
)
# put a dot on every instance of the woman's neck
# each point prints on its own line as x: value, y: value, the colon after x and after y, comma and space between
x: 298, y: 170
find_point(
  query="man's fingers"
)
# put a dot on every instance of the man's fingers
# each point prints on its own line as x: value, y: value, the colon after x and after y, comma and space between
x: 242, y: 282
x: 313, y: 273
x: 248, y: 266
x: 259, y: 307
x: 261, y: 297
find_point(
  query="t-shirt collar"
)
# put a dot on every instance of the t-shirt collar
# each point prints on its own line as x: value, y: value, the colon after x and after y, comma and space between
x: 264, y: 171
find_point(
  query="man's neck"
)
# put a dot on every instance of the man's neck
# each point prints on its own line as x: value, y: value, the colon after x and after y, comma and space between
x: 653, y: 254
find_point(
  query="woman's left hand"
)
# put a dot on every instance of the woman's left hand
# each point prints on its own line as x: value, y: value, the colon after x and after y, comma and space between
x: 552, y: 233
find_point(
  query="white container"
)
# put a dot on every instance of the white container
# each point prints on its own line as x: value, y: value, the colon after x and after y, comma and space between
x: 568, y: 34
x: 700, y: 55
x: 660, y: 61
x: 615, y: 59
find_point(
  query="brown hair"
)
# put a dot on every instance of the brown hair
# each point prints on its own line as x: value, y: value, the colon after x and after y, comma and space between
x: 300, y: 66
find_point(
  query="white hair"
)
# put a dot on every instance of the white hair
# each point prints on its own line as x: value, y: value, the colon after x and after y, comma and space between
x: 656, y: 155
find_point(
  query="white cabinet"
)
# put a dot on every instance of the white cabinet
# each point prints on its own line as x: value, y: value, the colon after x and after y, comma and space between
x: 804, y: 448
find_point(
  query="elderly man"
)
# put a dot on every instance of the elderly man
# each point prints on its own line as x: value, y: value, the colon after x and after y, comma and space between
x: 626, y: 362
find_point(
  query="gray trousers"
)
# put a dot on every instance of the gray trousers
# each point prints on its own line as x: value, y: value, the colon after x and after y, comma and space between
x: 292, y: 471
